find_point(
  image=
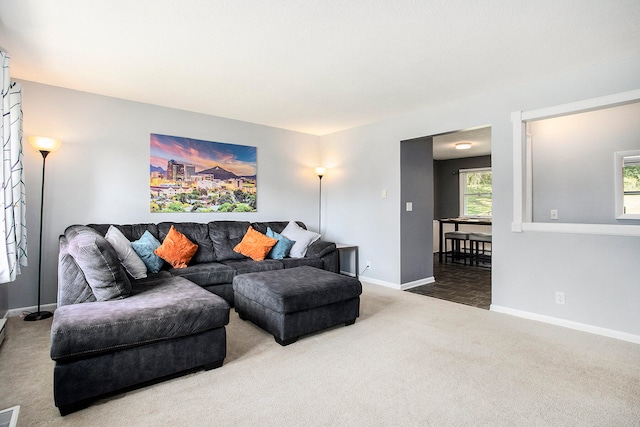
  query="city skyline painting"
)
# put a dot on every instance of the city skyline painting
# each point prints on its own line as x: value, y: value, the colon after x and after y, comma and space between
x: 192, y: 175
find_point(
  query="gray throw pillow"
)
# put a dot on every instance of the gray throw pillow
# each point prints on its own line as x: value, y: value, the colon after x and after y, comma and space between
x: 225, y: 236
x: 99, y: 263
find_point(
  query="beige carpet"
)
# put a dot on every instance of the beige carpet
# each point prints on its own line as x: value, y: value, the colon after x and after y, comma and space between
x: 408, y: 360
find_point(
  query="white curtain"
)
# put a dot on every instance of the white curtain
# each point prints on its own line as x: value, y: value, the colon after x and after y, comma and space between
x: 13, y: 232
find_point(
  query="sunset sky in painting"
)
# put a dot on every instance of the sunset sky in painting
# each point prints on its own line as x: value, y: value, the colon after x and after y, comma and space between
x: 239, y: 159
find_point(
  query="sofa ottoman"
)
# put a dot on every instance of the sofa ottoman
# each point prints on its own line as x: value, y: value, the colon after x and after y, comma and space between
x: 293, y: 302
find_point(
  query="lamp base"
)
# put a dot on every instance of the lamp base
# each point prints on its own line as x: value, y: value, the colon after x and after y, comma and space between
x: 38, y: 315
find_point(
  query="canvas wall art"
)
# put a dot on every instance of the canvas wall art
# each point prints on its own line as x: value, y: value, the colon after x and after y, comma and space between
x: 191, y: 175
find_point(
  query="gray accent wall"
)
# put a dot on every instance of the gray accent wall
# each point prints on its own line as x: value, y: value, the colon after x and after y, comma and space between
x: 447, y: 183
x: 4, y: 299
x: 416, y: 230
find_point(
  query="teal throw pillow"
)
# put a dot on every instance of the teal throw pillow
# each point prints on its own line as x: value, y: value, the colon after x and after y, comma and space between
x: 144, y: 247
x: 282, y: 248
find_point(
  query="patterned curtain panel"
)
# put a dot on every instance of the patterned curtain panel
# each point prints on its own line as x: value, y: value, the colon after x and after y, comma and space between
x: 13, y: 232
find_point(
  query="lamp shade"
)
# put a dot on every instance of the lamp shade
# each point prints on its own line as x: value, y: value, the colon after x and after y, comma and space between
x: 44, y: 143
x: 320, y: 171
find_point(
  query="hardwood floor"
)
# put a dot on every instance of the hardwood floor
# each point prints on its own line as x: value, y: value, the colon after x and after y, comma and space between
x: 459, y: 283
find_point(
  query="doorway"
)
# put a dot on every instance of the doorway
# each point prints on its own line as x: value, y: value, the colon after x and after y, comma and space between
x: 457, y: 157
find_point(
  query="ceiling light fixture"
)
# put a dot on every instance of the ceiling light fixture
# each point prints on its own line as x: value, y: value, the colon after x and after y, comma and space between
x: 463, y: 145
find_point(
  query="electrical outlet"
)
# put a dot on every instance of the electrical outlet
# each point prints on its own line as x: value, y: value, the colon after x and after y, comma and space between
x: 559, y: 297
x: 384, y: 194
x: 368, y: 263
x: 554, y: 213
x: 409, y: 206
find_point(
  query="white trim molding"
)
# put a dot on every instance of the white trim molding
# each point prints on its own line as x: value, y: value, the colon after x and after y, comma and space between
x: 380, y: 282
x: 611, y: 333
x: 19, y: 311
x: 416, y: 283
x: 619, y: 163
x: 399, y: 287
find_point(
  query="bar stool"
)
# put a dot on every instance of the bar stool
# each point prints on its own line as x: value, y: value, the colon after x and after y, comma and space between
x: 458, y: 246
x: 480, y: 255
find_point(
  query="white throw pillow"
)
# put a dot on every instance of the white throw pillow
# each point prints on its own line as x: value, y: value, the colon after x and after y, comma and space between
x: 302, y: 237
x: 127, y: 256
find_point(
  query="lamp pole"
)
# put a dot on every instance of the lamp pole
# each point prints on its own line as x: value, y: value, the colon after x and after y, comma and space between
x: 320, y: 207
x: 44, y: 145
x: 39, y: 315
x: 320, y: 171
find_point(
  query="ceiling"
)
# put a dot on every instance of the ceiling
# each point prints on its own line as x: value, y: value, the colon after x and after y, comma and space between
x: 444, y: 146
x: 315, y: 66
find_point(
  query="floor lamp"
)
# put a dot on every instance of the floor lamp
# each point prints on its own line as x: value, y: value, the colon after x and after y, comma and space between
x: 44, y: 145
x: 320, y: 171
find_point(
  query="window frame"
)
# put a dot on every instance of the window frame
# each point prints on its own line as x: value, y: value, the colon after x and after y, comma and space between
x: 620, y: 157
x: 462, y: 185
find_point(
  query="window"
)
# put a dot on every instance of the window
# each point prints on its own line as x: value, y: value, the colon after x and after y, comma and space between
x: 627, y: 184
x: 475, y: 192
x: 632, y: 185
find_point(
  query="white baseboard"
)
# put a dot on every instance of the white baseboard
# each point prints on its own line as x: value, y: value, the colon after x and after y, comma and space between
x: 426, y: 281
x: 399, y: 287
x: 379, y: 282
x: 18, y: 311
x: 611, y: 333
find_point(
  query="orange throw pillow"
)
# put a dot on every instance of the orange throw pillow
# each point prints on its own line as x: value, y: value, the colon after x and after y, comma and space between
x: 255, y: 245
x: 176, y: 249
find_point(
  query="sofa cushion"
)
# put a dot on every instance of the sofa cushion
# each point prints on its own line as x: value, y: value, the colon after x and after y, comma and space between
x: 302, y: 237
x: 72, y: 285
x: 127, y: 256
x: 242, y: 266
x: 299, y: 262
x: 295, y: 289
x: 176, y: 249
x: 255, y: 245
x: 145, y: 247
x: 131, y: 231
x: 319, y: 249
x: 276, y: 226
x: 196, y: 233
x: 156, y: 310
x: 99, y: 263
x: 225, y: 235
x: 211, y: 273
x: 282, y: 248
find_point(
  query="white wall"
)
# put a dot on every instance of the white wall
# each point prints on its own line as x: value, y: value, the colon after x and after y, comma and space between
x: 101, y: 172
x: 599, y: 274
x: 100, y: 175
x: 573, y: 167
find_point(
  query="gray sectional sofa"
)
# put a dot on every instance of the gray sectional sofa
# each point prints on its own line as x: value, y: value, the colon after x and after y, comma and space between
x: 215, y: 263
x: 111, y: 332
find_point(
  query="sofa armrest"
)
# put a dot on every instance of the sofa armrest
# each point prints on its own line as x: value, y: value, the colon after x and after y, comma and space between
x: 320, y: 248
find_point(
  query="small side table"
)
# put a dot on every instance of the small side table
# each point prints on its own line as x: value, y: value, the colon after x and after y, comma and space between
x: 347, y: 247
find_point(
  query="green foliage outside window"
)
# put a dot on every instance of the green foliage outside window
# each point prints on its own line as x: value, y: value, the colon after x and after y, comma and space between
x: 632, y: 178
x: 632, y: 189
x: 477, y: 193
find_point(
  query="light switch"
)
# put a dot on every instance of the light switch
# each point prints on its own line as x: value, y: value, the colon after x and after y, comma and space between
x: 409, y: 206
x: 384, y: 194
